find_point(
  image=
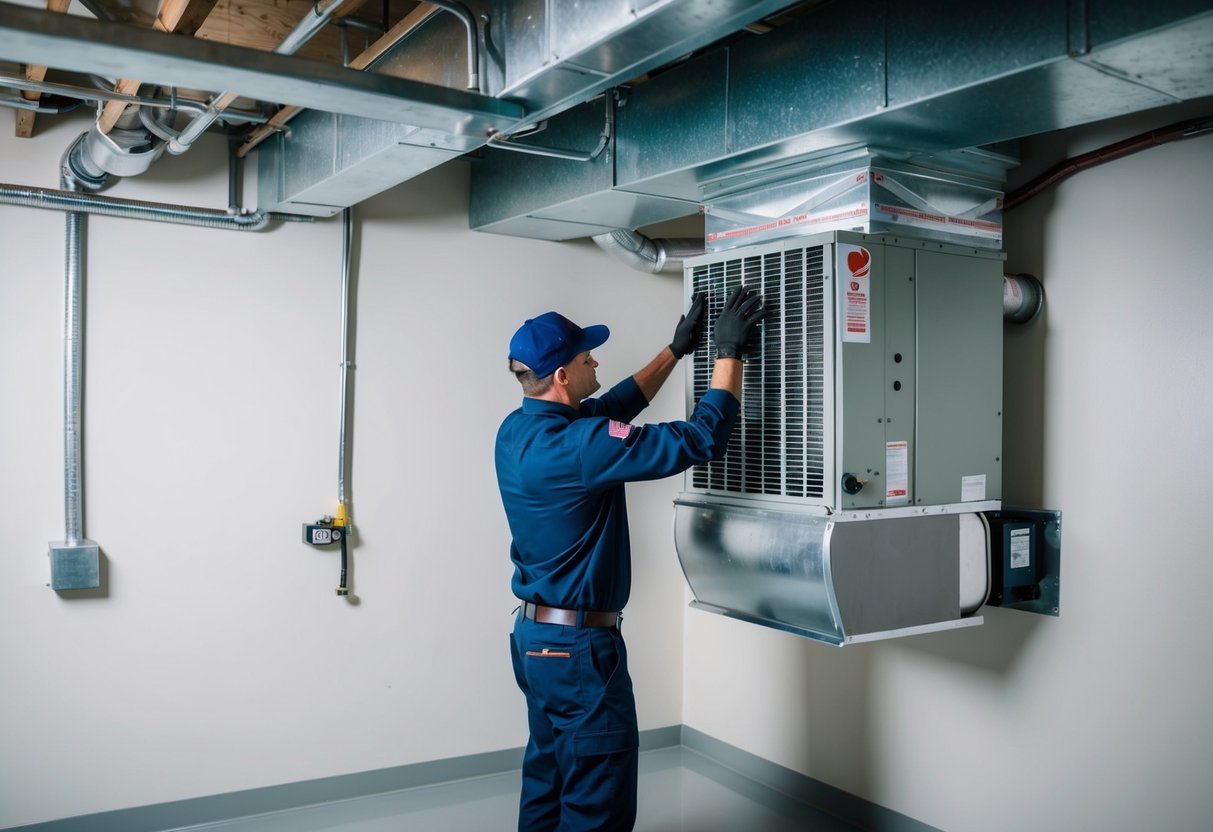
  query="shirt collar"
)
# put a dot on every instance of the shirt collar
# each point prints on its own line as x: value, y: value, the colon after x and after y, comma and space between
x: 533, y: 405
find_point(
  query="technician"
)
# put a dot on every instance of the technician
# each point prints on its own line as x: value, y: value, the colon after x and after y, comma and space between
x: 562, y: 461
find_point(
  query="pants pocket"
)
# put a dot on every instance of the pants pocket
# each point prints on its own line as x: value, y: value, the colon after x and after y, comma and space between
x: 597, y: 743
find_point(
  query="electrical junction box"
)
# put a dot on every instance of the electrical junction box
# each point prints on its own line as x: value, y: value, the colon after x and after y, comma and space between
x: 1025, y: 559
x: 75, y: 564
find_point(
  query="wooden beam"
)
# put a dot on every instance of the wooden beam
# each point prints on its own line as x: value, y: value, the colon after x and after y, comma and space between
x: 170, y: 18
x: 25, y: 118
x: 393, y: 36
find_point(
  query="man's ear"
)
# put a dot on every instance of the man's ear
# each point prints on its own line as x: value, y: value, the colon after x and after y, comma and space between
x: 561, y: 376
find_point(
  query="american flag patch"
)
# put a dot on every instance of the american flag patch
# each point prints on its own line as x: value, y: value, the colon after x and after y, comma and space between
x: 620, y: 430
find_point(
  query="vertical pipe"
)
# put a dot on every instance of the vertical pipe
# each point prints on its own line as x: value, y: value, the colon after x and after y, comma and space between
x: 235, y: 181
x: 73, y: 376
x: 347, y: 228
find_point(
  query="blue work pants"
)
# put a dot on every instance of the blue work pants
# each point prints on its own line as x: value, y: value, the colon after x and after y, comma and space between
x: 579, y: 771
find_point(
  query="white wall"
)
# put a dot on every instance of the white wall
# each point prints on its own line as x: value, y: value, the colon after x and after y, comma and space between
x: 220, y: 658
x: 1098, y: 719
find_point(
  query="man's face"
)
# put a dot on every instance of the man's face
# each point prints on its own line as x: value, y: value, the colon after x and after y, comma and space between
x: 583, y: 380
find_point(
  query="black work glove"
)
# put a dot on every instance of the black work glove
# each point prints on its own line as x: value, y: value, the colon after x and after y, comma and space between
x: 742, y: 312
x: 686, y: 334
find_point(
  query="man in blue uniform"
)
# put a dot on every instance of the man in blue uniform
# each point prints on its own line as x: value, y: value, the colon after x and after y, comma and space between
x: 562, y: 461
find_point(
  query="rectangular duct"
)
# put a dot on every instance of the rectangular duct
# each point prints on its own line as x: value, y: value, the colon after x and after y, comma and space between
x: 326, y: 161
x: 848, y: 504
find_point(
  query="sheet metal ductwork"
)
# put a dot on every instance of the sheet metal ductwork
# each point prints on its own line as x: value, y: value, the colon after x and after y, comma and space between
x: 705, y: 108
x: 919, y: 78
x: 546, y: 56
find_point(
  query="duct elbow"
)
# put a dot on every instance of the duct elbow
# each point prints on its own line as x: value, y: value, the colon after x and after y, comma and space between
x: 96, y: 155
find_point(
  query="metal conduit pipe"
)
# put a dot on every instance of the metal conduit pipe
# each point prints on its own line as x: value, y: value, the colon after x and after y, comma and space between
x: 312, y: 23
x: 54, y: 200
x: 469, y: 21
x: 98, y: 94
x: 647, y: 255
x: 504, y: 142
x: 73, y: 363
x: 75, y: 561
x: 347, y: 244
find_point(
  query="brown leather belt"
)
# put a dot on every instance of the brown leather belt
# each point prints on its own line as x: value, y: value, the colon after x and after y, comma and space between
x: 569, y: 618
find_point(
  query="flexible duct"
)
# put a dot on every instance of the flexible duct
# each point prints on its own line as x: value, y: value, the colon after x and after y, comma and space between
x: 55, y: 200
x: 647, y: 255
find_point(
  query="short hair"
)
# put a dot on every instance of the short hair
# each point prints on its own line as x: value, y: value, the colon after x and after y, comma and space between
x: 532, y: 385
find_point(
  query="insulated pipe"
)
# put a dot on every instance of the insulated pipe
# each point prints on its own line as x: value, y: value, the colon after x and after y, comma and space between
x: 646, y: 255
x: 135, y: 209
x: 1134, y: 144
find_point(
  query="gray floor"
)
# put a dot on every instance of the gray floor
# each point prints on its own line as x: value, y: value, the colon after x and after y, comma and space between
x: 680, y: 791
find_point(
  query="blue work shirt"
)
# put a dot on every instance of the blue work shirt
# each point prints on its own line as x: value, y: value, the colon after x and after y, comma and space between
x: 561, y: 472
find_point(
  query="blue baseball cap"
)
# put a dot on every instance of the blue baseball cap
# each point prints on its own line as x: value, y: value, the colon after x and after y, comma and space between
x: 550, y: 341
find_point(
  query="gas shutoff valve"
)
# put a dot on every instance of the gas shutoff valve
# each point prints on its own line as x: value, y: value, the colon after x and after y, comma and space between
x: 323, y: 532
x: 330, y: 531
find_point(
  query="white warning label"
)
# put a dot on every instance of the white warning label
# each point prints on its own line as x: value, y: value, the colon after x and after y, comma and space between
x: 897, y: 472
x: 854, y: 293
x: 1021, y: 548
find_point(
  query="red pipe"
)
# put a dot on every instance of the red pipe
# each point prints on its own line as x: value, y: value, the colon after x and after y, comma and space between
x: 1064, y: 170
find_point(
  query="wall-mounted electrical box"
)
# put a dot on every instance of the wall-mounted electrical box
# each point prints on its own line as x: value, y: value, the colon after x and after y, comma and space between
x: 848, y: 506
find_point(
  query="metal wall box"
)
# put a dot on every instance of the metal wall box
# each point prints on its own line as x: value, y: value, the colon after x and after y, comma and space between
x: 75, y: 564
x: 1025, y: 559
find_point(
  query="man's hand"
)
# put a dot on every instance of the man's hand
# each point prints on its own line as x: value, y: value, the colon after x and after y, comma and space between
x: 686, y: 334
x: 742, y: 312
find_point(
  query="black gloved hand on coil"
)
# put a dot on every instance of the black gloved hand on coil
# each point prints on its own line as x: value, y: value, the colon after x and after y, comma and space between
x: 686, y: 334
x: 742, y: 312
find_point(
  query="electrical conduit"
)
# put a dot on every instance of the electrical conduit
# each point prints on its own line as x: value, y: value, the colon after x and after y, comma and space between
x: 70, y: 201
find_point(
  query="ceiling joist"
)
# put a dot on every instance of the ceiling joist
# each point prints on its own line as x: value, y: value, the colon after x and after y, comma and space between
x: 37, y: 74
